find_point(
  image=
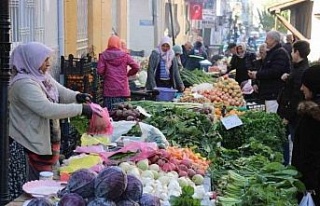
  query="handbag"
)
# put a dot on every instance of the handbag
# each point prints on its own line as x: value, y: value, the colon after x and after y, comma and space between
x: 307, y: 200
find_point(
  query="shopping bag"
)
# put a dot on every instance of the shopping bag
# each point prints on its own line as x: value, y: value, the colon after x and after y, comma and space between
x: 100, y: 121
x: 307, y: 200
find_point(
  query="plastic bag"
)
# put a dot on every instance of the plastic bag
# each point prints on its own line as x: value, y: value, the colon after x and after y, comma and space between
x: 149, y: 132
x: 89, y: 140
x: 153, y: 134
x: 307, y: 200
x: 120, y: 128
x: 100, y: 123
x: 202, y: 87
x: 246, y: 87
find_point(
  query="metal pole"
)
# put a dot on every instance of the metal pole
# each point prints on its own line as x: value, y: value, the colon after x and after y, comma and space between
x: 155, y: 18
x: 171, y: 22
x: 4, y: 111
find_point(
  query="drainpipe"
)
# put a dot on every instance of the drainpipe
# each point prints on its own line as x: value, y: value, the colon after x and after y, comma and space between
x: 171, y: 21
x: 155, y: 17
x: 4, y: 104
x: 61, y: 35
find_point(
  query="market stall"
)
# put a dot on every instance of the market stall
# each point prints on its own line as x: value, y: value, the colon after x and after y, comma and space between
x: 208, y: 146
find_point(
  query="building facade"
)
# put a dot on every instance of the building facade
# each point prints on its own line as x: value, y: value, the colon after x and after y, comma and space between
x: 82, y: 27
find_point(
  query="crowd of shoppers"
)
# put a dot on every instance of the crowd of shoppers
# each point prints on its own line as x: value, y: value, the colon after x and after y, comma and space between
x: 291, y: 88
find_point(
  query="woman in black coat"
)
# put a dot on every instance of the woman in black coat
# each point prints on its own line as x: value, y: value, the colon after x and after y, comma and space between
x: 306, y: 144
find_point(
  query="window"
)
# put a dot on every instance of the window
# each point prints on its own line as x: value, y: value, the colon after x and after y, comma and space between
x: 82, y: 31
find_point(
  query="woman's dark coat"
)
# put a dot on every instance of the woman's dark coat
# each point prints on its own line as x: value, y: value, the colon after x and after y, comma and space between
x: 306, y: 146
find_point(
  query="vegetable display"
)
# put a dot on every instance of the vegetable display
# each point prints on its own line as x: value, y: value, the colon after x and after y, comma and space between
x: 266, y: 127
x: 244, y: 163
x: 182, y: 126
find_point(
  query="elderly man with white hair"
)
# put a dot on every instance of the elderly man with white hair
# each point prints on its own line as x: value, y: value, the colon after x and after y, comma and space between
x: 276, y: 63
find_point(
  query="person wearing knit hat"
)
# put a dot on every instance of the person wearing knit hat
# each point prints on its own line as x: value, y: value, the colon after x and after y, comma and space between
x: 311, y: 81
x: 177, y: 49
x: 306, y: 144
x: 178, y: 52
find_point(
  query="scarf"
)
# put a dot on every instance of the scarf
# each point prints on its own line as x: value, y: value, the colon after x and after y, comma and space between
x: 244, y: 47
x: 167, y: 56
x: 114, y: 42
x: 25, y: 62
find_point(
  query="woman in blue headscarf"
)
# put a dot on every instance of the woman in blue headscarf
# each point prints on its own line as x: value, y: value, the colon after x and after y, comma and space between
x: 163, y: 67
x: 37, y: 102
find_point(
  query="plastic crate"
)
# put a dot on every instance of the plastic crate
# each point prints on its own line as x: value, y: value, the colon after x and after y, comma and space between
x: 166, y: 94
x: 81, y: 83
x: 76, y: 66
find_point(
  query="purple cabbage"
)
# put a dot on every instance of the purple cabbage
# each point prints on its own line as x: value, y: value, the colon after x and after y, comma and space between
x: 101, y: 202
x: 110, y: 183
x: 41, y: 201
x: 134, y: 189
x: 80, y: 182
x: 71, y: 199
x: 149, y: 200
x: 127, y: 203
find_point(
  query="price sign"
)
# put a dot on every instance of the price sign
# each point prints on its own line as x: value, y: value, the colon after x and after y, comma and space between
x: 231, y: 121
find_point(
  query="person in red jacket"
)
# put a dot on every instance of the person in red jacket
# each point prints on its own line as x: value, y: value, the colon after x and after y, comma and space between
x: 112, y: 66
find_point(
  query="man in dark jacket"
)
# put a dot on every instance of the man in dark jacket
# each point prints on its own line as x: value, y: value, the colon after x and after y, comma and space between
x: 306, y: 144
x: 291, y: 95
x: 196, y: 54
x: 186, y: 49
x: 288, y: 45
x: 276, y: 63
